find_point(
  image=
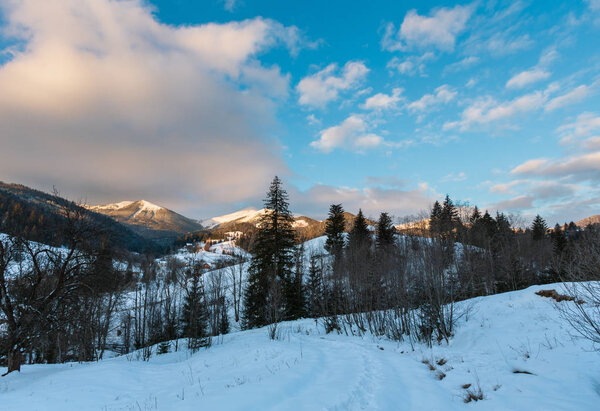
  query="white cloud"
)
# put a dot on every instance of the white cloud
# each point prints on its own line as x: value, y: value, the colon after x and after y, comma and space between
x: 106, y: 102
x: 504, y: 188
x: 411, y: 65
x: 462, y: 64
x: 440, y: 29
x: 443, y: 94
x: 486, y: 110
x: 324, y: 86
x: 368, y: 141
x: 578, y: 167
x: 501, y: 44
x: 594, y: 5
x: 382, y: 101
x: 454, y: 177
x: 572, y: 97
x: 527, y: 77
x: 350, y: 135
x: 516, y: 203
x: 585, y: 124
x: 230, y: 5
x: 313, y: 120
x: 372, y: 200
x: 592, y: 143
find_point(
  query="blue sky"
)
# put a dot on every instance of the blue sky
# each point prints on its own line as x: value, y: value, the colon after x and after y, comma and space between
x: 385, y: 107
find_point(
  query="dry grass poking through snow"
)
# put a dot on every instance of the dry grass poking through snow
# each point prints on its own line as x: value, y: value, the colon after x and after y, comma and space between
x: 556, y: 296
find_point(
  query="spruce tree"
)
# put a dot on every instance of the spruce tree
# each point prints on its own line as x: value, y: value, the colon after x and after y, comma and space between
x: 224, y: 321
x: 449, y: 216
x: 503, y: 225
x: 195, y: 314
x: 435, y: 218
x: 538, y: 228
x: 359, y: 235
x: 559, y: 239
x: 295, y: 301
x: 335, y: 226
x: 385, y: 231
x: 475, y: 216
x: 314, y: 288
x: 489, y: 224
x: 272, y: 259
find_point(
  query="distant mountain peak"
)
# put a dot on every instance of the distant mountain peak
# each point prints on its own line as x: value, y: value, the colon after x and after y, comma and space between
x: 595, y: 219
x: 146, y: 215
x: 246, y: 215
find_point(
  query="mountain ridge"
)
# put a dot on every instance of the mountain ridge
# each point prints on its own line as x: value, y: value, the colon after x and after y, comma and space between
x: 148, y: 218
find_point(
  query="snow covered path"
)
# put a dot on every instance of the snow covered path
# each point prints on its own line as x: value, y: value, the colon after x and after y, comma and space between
x: 310, y: 370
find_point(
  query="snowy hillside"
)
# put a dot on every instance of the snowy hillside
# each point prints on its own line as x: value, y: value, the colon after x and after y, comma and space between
x: 513, y: 346
x: 252, y: 216
x: 247, y: 215
x: 145, y: 215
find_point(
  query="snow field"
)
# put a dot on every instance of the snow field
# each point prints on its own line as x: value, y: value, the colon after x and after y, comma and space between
x: 307, y: 369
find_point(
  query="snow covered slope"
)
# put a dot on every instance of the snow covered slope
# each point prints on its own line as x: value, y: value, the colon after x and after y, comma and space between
x: 252, y: 216
x: 146, y: 215
x: 247, y: 215
x: 307, y: 369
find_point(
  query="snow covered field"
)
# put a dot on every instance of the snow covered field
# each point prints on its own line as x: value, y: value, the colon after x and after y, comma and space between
x: 308, y: 369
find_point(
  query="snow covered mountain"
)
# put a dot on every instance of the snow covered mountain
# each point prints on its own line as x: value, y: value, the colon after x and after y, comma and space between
x: 595, y: 219
x: 247, y: 215
x: 148, y: 218
x: 252, y: 216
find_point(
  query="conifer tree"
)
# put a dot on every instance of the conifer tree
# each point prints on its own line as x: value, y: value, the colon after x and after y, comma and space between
x: 489, y: 224
x: 195, y: 314
x: 272, y: 259
x: 559, y: 239
x: 385, y: 231
x: 335, y: 226
x: 314, y: 288
x: 224, y: 321
x: 503, y: 225
x: 359, y: 235
x: 475, y: 216
x: 538, y: 228
x: 295, y: 301
x: 449, y: 216
x: 435, y: 218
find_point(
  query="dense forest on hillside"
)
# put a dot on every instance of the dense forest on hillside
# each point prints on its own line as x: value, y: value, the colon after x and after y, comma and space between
x: 34, y: 215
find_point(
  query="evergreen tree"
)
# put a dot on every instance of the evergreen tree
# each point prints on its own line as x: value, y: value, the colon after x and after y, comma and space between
x: 449, y: 216
x: 335, y: 226
x: 195, y: 314
x: 359, y: 235
x: 224, y: 322
x: 272, y: 259
x: 314, y: 288
x: 559, y: 239
x: 489, y: 224
x: 435, y: 218
x: 385, y: 231
x: 295, y: 297
x: 538, y: 228
x: 475, y: 216
x: 164, y: 347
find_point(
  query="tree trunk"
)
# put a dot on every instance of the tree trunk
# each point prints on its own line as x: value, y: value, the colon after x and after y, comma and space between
x: 14, y: 359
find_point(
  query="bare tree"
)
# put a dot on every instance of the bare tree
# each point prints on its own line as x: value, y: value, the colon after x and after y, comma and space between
x: 236, y: 273
x: 582, y: 284
x: 36, y: 292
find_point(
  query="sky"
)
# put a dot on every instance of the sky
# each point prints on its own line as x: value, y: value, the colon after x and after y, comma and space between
x: 384, y: 106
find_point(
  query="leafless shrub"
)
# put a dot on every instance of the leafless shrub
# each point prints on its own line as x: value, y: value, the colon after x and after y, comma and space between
x: 473, y: 394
